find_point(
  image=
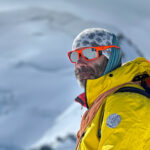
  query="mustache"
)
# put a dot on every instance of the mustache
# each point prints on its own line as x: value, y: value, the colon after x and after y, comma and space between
x: 84, y: 69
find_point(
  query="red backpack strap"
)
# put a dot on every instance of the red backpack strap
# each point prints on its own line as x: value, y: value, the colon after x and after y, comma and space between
x: 148, y: 81
x: 146, y: 84
x: 145, y: 81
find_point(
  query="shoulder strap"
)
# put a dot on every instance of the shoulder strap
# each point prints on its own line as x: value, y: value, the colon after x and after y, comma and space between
x: 134, y: 90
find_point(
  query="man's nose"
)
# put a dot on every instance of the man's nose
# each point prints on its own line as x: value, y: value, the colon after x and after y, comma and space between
x: 81, y: 60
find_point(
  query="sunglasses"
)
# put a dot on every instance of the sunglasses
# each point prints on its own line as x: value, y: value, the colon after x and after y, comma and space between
x: 88, y: 53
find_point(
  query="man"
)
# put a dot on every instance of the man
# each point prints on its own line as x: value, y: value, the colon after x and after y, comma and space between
x: 117, y: 97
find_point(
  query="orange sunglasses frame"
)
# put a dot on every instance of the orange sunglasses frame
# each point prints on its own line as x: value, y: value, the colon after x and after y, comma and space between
x: 99, y: 48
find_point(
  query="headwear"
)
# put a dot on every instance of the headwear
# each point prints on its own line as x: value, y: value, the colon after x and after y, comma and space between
x: 100, y: 37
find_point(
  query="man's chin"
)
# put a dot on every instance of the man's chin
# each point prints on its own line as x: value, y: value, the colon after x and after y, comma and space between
x: 82, y: 82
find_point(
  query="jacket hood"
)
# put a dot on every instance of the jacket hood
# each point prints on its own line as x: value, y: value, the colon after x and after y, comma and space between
x: 121, y: 75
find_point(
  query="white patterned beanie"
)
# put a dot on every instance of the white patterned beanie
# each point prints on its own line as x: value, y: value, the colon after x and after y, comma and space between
x: 100, y: 37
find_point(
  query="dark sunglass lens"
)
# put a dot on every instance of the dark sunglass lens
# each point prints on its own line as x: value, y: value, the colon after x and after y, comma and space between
x: 90, y: 53
x: 73, y: 56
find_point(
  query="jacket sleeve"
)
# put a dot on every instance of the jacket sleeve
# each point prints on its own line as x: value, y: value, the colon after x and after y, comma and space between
x: 125, y: 125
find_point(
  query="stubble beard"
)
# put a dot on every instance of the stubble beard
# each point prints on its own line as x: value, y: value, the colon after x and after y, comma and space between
x: 93, y: 73
x: 81, y: 72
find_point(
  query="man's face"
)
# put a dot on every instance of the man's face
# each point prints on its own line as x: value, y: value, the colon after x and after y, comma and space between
x: 90, y: 69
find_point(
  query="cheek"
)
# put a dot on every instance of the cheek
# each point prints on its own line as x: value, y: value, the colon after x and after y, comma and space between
x: 94, y: 63
x: 76, y: 66
x: 97, y: 61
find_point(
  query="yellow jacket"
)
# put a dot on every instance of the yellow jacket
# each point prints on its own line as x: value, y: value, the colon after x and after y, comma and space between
x: 123, y: 120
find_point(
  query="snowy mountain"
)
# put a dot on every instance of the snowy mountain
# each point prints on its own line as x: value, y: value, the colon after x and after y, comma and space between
x: 37, y: 80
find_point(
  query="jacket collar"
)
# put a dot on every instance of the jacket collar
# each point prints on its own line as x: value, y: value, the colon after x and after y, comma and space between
x: 125, y: 73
